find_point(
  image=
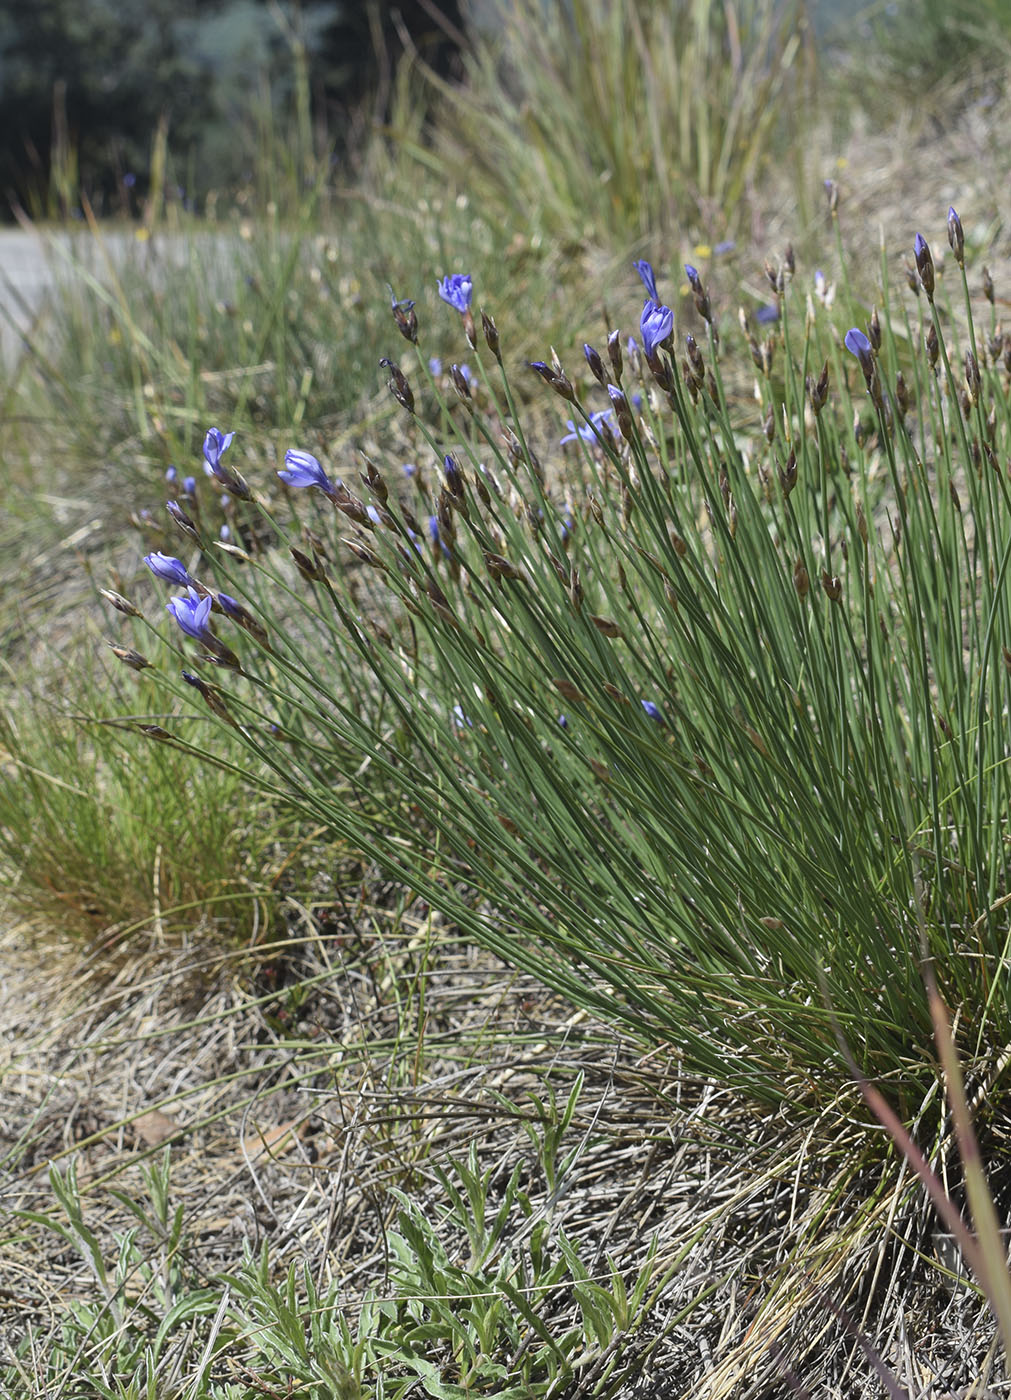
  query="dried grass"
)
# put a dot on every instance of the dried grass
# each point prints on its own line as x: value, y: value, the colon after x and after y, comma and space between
x: 295, y: 1132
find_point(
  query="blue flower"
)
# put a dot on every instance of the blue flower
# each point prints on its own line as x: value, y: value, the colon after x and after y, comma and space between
x: 648, y: 279
x: 765, y: 315
x: 436, y: 537
x: 191, y: 614
x: 588, y: 432
x: 214, y: 445
x: 461, y: 718
x: 167, y: 567
x: 304, y: 470
x: 435, y: 365
x: 653, y: 711
x: 456, y: 291
x: 171, y: 475
x: 858, y: 344
x: 656, y: 325
x: 694, y: 280
x: 189, y: 485
x: 563, y: 721
x: 727, y: 246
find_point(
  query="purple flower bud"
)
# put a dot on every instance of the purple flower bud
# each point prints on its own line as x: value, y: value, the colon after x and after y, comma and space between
x: 766, y: 315
x: 456, y: 291
x: 189, y: 485
x: 454, y: 477
x: 956, y: 237
x: 215, y: 444
x: 652, y: 711
x: 461, y: 719
x: 181, y: 518
x: 192, y: 614
x: 373, y: 515
x: 167, y: 567
x: 435, y: 366
x: 656, y: 326
x: 595, y: 363
x: 694, y: 280
x: 171, y: 475
x: 858, y: 344
x: 225, y: 534
x: 303, y: 469
x: 563, y: 721
x: 924, y: 265
x: 727, y: 246
x: 648, y: 279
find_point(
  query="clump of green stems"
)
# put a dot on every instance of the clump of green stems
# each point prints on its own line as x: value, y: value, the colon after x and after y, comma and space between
x: 609, y: 121
x: 812, y: 598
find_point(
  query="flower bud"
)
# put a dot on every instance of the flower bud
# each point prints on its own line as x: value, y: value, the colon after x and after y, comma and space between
x: 491, y: 334
x: 120, y: 603
x: 405, y: 317
x: 788, y: 474
x: 129, y: 657
x: 924, y: 265
x: 460, y: 382
x: 182, y: 519
x: 956, y: 237
x: 874, y: 330
x: 398, y: 385
x: 614, y: 355
x: 622, y: 412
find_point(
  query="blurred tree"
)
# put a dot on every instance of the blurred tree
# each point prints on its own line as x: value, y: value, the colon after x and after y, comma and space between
x: 84, y: 84
x: 359, y: 48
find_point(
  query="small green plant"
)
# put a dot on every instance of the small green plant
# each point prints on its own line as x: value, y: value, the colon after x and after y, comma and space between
x: 148, y: 1320
x: 485, y: 1295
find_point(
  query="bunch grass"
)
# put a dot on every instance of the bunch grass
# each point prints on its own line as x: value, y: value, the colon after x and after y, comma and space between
x: 100, y: 840
x: 609, y: 122
x: 778, y: 651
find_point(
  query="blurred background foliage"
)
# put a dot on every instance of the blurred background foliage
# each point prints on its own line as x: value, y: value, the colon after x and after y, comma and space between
x: 102, y: 100
x: 85, y: 86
